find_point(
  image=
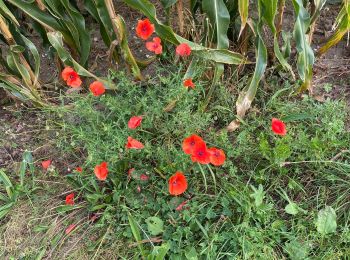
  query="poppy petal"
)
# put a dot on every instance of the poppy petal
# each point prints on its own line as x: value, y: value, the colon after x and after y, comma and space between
x: 144, y: 29
x: 183, y: 50
x: 46, y: 164
x: 177, y: 184
x: 134, y: 122
x: 133, y: 144
x: 278, y: 127
x: 191, y: 142
x: 217, y: 156
x: 97, y: 88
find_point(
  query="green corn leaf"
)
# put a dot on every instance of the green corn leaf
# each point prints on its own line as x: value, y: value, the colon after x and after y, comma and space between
x: 64, y: 17
x: 5, y: 179
x: 136, y: 233
x: 246, y: 97
x: 219, y: 17
x: 305, y: 53
x: 99, y: 12
x: 5, y: 209
x: 83, y: 36
x: 318, y: 7
x: 35, y: 55
x: 268, y: 12
x: 56, y: 41
x: 168, y: 3
x: 243, y: 8
x: 7, y: 13
x: 31, y: 9
x: 166, y: 33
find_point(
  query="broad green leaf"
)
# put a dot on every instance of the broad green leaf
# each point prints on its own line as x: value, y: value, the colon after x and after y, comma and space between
x: 56, y: 41
x: 305, y: 53
x: 326, y: 221
x: 5, y: 179
x: 119, y: 22
x: 99, y: 12
x: 36, y: 57
x: 166, y: 33
x: 318, y: 7
x: 243, y: 6
x: 155, y: 225
x: 31, y: 9
x: 159, y: 252
x: 136, y: 233
x: 7, y: 13
x: 168, y: 3
x: 297, y: 250
x: 245, y: 98
x: 5, y: 209
x: 219, y: 18
x: 292, y: 208
x: 83, y: 35
x: 191, y: 253
x: 268, y: 11
x: 258, y: 195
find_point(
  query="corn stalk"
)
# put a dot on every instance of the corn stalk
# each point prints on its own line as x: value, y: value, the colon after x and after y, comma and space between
x: 16, y: 75
x: 121, y: 33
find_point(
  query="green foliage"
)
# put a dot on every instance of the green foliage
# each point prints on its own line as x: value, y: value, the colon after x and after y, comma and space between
x: 63, y: 17
x: 10, y: 192
x: 326, y: 221
x: 260, y: 204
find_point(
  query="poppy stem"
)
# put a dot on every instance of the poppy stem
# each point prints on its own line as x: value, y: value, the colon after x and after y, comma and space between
x: 160, y: 173
x: 213, y: 175
x: 204, y: 178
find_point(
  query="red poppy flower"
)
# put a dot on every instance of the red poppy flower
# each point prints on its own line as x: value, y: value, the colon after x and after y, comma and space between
x: 217, y: 156
x: 177, y: 184
x: 190, y: 143
x: 97, y: 88
x: 278, y: 127
x: 138, y: 189
x: 79, y: 169
x: 101, y: 171
x: 134, y: 122
x: 155, y: 46
x: 144, y: 177
x: 71, y: 77
x: 188, y: 83
x: 70, y: 199
x: 144, y: 29
x: 46, y: 164
x: 133, y: 144
x: 70, y: 228
x: 183, y: 50
x: 201, y: 154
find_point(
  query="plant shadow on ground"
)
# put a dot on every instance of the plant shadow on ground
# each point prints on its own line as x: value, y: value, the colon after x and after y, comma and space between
x: 262, y: 203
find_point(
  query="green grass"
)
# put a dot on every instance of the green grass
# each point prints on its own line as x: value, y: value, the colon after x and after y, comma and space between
x: 263, y: 203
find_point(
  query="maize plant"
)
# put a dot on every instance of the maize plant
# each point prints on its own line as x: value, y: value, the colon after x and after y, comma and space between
x: 18, y: 77
x: 228, y: 28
